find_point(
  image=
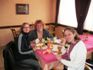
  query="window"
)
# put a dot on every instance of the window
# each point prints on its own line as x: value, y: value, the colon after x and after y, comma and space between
x: 67, y: 15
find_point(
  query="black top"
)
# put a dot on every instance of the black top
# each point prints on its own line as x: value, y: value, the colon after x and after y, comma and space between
x: 33, y: 35
x: 24, y: 48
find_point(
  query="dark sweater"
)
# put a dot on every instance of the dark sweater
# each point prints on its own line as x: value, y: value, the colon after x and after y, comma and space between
x: 33, y: 35
x: 24, y: 48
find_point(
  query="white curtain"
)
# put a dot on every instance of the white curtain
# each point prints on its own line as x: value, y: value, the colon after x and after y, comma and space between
x: 88, y: 24
x: 67, y: 13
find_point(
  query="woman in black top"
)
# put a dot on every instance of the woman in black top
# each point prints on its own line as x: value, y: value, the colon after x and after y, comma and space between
x: 25, y: 54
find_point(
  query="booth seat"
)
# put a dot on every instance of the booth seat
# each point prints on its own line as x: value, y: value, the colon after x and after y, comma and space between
x: 9, y: 60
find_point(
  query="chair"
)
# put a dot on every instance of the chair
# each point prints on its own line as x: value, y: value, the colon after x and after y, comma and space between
x: 14, y: 32
x: 9, y: 61
x: 89, y: 64
x: 50, y: 28
x: 59, y: 31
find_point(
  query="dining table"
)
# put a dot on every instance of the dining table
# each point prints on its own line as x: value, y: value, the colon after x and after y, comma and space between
x: 47, y: 57
x: 88, y: 40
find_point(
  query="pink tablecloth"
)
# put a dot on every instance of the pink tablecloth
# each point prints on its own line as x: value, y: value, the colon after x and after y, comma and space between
x: 47, y: 58
x: 88, y: 40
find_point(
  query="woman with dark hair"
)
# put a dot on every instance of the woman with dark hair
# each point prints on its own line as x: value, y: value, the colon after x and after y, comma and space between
x: 39, y: 32
x: 23, y: 43
x: 75, y: 56
x: 25, y: 54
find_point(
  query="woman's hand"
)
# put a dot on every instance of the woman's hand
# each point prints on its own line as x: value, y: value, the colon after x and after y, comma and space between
x: 63, y: 41
x: 32, y: 44
x: 58, y: 57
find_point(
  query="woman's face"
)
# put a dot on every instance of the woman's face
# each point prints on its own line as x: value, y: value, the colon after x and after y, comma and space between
x: 39, y: 27
x: 26, y: 28
x: 69, y: 36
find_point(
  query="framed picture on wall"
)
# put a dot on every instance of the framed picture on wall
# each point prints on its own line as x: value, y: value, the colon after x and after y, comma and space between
x: 22, y: 8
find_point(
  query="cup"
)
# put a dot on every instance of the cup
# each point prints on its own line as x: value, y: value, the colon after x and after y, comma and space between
x: 59, y: 50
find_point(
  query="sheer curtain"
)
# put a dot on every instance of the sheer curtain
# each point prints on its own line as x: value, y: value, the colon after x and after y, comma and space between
x: 74, y: 13
x: 67, y: 13
x: 88, y: 24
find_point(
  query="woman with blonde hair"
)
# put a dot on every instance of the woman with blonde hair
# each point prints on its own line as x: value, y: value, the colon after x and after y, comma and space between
x: 39, y: 32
